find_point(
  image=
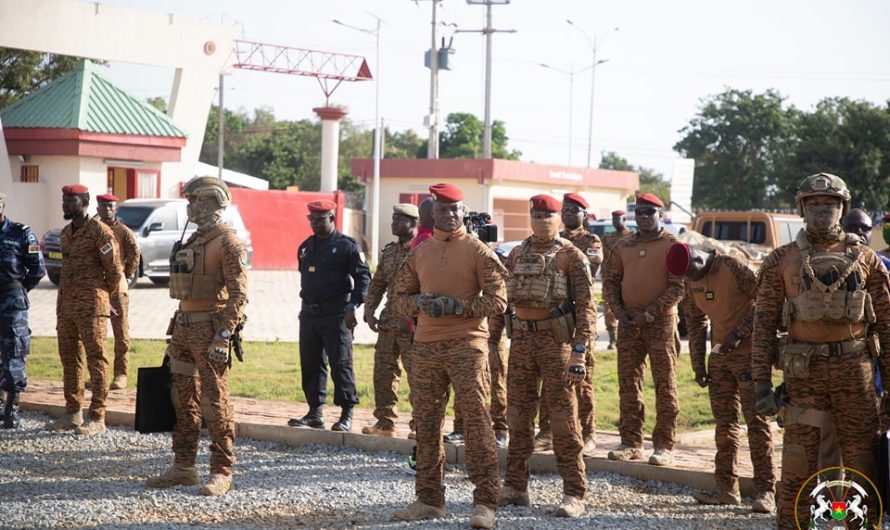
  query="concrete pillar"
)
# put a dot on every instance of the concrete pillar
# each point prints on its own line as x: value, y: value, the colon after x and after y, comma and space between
x: 330, y: 144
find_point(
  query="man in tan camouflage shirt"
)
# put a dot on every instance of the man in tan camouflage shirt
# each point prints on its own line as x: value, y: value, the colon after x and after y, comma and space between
x: 720, y: 289
x: 394, y: 330
x: 129, y: 258
x: 91, y: 277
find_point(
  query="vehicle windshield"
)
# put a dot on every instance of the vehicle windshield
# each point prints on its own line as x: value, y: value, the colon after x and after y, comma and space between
x: 134, y: 216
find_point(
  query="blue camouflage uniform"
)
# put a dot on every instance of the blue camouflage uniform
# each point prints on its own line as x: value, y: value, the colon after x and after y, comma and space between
x: 21, y: 268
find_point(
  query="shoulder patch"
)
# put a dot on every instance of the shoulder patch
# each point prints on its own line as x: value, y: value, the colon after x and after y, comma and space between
x: 108, y: 247
x: 33, y: 249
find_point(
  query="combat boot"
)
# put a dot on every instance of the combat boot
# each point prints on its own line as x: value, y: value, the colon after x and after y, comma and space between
x: 625, y: 453
x: 217, y: 484
x: 662, y: 457
x: 589, y: 449
x: 378, y: 430
x: 314, y: 418
x: 344, y: 424
x: 483, y: 517
x: 119, y: 382
x: 11, y: 411
x: 717, y: 496
x: 764, y: 502
x: 174, y: 476
x: 92, y: 427
x: 455, y: 437
x: 508, y: 495
x: 544, y: 440
x: 612, y: 334
x: 66, y: 422
x: 570, y: 507
x: 417, y: 511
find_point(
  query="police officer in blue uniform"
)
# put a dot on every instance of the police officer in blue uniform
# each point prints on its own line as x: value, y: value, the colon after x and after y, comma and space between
x: 21, y: 268
x: 334, y: 280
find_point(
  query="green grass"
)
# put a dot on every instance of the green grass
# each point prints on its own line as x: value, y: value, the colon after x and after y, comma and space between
x: 271, y: 371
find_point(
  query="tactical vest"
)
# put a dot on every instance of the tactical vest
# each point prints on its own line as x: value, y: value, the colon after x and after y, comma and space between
x: 187, y: 278
x: 536, y: 282
x: 831, y: 286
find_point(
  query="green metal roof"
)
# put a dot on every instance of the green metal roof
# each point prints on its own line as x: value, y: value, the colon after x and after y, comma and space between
x: 84, y: 100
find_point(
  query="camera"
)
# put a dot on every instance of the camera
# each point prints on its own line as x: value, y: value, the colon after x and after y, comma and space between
x: 479, y: 224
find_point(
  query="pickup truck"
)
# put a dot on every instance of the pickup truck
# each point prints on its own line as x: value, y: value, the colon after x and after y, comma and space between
x: 757, y: 232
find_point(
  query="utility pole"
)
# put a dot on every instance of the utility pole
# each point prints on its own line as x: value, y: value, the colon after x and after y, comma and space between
x: 487, y: 31
x: 432, y: 150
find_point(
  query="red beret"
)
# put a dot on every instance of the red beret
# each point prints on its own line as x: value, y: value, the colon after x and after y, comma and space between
x: 545, y: 203
x: 107, y: 197
x: 575, y: 198
x: 678, y: 259
x: 648, y: 198
x: 446, y: 193
x: 886, y: 218
x: 324, y: 205
x: 75, y: 189
x: 618, y: 212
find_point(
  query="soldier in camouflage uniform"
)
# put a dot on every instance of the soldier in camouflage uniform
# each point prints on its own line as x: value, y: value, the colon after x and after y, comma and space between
x: 21, y: 268
x: 452, y: 282
x: 393, y: 329
x: 551, y: 291
x: 610, y: 240
x: 91, y: 276
x: 574, y: 212
x: 644, y: 296
x: 129, y: 258
x: 720, y: 289
x: 209, y: 277
x: 829, y: 289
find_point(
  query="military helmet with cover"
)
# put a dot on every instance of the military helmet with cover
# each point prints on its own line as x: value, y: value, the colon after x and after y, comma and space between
x: 204, y: 186
x: 822, y: 184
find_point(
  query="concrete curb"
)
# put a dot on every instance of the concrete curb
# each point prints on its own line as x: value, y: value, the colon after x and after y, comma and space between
x: 454, y: 454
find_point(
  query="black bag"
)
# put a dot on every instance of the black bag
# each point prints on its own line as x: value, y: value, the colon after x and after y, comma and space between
x: 154, y: 405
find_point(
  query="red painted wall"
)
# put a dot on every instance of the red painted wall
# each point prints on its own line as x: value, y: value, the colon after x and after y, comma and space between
x: 277, y: 222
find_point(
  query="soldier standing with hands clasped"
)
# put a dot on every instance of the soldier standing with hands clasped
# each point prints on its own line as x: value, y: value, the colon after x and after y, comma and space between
x: 209, y: 277
x: 830, y: 290
x: 550, y: 289
x: 644, y: 296
x: 91, y: 276
x: 720, y: 289
x: 452, y: 283
x: 21, y: 268
x: 610, y: 241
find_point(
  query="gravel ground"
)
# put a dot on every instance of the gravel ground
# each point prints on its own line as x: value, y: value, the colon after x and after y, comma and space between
x: 50, y: 480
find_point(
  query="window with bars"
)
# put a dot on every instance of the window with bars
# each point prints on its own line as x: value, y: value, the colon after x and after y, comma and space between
x: 29, y: 173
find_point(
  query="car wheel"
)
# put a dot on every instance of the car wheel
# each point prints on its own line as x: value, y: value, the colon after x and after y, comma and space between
x: 53, y: 277
x: 160, y: 281
x: 131, y: 281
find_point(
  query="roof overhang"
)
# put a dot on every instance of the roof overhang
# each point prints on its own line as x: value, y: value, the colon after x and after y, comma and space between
x: 74, y: 142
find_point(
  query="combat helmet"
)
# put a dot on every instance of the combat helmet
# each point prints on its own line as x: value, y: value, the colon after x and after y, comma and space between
x: 822, y: 184
x: 203, y: 186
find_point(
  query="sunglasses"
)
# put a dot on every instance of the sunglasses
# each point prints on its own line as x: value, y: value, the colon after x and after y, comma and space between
x: 645, y: 211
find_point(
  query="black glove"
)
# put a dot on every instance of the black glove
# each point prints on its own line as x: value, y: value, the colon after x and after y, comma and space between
x: 766, y: 399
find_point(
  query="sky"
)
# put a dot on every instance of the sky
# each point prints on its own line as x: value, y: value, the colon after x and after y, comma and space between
x: 661, y: 63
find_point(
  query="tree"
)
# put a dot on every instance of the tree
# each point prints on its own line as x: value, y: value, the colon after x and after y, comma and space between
x: 739, y: 142
x: 402, y: 145
x: 462, y: 138
x: 23, y: 72
x: 650, y: 181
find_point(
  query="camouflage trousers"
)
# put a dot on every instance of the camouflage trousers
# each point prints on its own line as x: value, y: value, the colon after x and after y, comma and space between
x: 120, y: 325
x: 15, y: 345
x: 391, y: 346
x: 586, y: 396
x: 843, y: 386
x: 497, y: 367
x: 657, y: 340
x: 536, y: 356
x: 463, y: 364
x: 731, y: 390
x: 77, y: 335
x: 200, y: 387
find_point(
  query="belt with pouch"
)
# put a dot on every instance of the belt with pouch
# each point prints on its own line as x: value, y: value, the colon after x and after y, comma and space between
x: 532, y: 325
x: 831, y: 349
x: 193, y: 317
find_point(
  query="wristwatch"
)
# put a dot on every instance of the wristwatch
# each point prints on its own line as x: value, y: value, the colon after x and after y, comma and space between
x: 224, y: 334
x: 458, y: 309
x: 579, y: 349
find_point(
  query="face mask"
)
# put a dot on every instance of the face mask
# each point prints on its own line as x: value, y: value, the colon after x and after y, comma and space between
x: 823, y: 220
x: 545, y: 229
x: 203, y: 213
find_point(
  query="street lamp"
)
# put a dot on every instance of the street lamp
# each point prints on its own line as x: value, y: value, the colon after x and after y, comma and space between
x: 375, y: 192
x: 594, y: 47
x: 571, y: 73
